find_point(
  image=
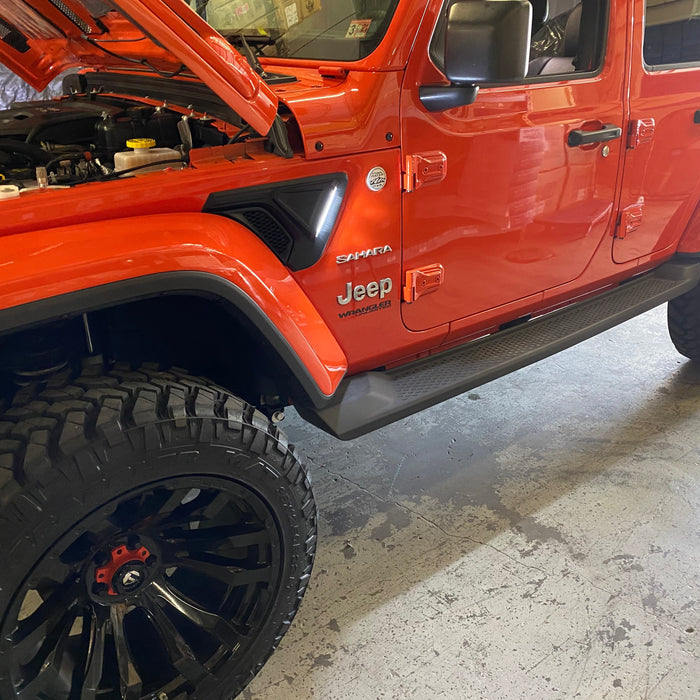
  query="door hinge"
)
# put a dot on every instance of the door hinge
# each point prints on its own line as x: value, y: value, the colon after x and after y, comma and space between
x: 424, y: 168
x: 422, y: 280
x: 641, y: 131
x: 630, y: 219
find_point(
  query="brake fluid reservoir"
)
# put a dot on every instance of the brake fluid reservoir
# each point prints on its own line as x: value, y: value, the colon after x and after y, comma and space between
x: 146, y: 157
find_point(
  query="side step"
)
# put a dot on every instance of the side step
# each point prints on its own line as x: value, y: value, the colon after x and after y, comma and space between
x: 368, y: 401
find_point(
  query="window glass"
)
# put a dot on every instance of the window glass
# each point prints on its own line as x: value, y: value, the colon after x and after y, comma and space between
x: 568, y: 36
x: 331, y: 30
x: 570, y: 39
x: 671, y: 32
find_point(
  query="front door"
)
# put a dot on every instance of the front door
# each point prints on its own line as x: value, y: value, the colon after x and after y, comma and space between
x: 521, y: 208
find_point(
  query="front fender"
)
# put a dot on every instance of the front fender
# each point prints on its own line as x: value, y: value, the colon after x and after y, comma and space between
x: 65, y: 271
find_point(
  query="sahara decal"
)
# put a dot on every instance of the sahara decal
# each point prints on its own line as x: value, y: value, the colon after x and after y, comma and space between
x: 360, y: 291
x: 361, y: 254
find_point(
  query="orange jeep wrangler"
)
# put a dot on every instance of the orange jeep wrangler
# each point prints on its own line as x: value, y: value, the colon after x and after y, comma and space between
x: 358, y: 208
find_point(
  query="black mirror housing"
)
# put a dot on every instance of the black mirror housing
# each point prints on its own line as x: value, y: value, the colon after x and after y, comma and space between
x: 487, y: 41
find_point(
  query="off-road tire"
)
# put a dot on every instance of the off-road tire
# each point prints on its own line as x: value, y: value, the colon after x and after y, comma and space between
x: 85, y: 465
x: 684, y: 323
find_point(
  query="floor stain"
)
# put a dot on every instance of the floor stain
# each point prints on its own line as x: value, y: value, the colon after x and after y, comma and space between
x: 396, y: 519
x: 333, y: 625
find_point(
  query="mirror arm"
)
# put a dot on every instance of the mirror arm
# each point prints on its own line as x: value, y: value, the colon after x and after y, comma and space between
x: 438, y: 98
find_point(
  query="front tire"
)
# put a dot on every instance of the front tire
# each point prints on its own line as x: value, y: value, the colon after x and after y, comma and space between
x: 157, y: 537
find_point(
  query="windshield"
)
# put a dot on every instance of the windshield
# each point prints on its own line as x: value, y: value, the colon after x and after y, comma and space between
x: 329, y: 30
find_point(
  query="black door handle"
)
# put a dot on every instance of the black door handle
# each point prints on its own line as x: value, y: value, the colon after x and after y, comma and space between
x: 579, y: 137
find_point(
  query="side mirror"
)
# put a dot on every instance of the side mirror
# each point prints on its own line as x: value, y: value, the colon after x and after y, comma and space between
x: 485, y: 41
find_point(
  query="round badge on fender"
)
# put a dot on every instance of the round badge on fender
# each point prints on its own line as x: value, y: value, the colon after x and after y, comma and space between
x: 376, y: 179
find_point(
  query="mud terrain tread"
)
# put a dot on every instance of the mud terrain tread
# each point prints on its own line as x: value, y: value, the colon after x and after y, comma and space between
x: 683, y: 317
x: 55, y: 433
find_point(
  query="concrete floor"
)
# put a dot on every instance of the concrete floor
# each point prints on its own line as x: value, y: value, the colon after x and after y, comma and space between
x: 536, y: 538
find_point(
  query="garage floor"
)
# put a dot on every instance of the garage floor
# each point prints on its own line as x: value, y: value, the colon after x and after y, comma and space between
x: 536, y: 538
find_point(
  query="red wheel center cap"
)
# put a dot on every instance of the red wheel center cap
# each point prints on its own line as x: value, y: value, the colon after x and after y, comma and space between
x: 126, y: 570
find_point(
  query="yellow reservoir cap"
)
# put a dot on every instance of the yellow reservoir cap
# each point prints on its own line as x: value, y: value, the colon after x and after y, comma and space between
x: 141, y: 143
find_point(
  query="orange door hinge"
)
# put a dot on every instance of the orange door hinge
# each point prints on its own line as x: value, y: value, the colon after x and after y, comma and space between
x: 422, y: 280
x: 424, y: 168
x: 640, y: 131
x: 630, y: 219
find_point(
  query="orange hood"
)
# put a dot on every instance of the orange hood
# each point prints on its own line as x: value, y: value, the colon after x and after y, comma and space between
x: 39, y: 39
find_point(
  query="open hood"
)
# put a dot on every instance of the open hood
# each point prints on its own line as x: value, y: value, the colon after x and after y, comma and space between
x: 39, y: 39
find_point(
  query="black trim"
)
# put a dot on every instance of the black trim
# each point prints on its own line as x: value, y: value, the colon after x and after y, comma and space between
x: 367, y: 401
x: 438, y: 98
x: 294, y: 218
x: 36, y: 313
x: 579, y: 137
x: 174, y: 90
x: 660, y: 67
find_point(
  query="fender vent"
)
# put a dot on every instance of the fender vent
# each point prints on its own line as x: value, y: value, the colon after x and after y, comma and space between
x: 265, y: 226
x: 295, y: 218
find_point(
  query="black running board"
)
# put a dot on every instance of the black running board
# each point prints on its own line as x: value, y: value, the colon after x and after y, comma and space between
x: 370, y: 400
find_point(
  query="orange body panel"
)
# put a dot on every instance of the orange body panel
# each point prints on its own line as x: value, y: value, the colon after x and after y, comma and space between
x: 56, y: 261
x: 357, y: 114
x: 519, y: 221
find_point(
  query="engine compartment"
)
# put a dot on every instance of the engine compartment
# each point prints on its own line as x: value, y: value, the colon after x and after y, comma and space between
x: 75, y: 138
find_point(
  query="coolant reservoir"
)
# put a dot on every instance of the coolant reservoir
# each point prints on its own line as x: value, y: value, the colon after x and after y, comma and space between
x: 9, y: 192
x: 146, y: 157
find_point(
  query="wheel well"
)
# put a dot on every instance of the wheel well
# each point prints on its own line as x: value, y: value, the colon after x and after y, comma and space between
x: 207, y: 336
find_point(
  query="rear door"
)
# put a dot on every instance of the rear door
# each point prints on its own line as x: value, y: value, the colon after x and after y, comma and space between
x: 520, y: 208
x: 661, y: 182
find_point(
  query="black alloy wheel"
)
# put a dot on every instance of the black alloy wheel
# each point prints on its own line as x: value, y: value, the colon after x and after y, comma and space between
x: 158, y: 536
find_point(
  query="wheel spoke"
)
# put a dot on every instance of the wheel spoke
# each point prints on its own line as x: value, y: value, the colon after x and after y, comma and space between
x: 231, y: 575
x: 180, y: 652
x: 45, y: 674
x: 205, y: 506
x: 54, y: 573
x: 212, y: 509
x: 96, y: 652
x: 228, y: 536
x: 130, y: 679
x: 227, y: 632
x: 173, y: 505
x: 46, y: 616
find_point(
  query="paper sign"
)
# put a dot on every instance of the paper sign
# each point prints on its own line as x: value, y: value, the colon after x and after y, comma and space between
x: 291, y: 13
x: 358, y: 29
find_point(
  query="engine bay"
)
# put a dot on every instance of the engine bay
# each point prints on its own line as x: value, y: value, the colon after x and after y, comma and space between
x: 74, y: 139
